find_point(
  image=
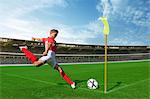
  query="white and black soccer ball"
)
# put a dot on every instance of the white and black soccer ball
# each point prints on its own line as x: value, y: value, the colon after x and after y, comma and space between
x: 92, y: 84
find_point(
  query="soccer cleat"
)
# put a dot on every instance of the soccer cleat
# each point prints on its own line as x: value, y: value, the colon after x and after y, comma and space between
x: 21, y: 47
x: 73, y: 86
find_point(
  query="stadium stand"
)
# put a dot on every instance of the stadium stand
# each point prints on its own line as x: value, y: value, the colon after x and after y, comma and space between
x: 70, y: 53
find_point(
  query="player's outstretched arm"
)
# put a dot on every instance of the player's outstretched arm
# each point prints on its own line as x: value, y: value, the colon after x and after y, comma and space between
x: 36, y: 39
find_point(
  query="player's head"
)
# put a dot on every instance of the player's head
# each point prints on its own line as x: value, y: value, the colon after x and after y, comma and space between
x: 53, y: 33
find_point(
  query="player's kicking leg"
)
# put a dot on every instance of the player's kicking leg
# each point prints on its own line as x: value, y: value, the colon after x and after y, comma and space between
x: 31, y: 56
x: 53, y: 62
x: 64, y: 76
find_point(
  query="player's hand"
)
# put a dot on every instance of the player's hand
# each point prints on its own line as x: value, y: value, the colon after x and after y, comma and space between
x: 44, y: 53
x: 33, y: 38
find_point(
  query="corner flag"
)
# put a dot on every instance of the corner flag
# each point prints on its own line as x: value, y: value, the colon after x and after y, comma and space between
x: 106, y: 25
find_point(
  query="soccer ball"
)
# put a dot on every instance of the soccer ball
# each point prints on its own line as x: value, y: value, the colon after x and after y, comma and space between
x: 92, y: 84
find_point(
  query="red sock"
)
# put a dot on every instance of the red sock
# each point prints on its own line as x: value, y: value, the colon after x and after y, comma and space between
x: 29, y: 55
x: 66, y: 78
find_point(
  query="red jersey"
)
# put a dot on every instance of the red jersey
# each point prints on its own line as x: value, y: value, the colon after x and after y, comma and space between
x: 52, y: 41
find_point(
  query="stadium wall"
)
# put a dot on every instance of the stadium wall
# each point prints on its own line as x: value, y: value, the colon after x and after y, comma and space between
x: 78, y: 63
x: 19, y: 58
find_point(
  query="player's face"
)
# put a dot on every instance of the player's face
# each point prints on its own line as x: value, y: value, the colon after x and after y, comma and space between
x: 54, y: 34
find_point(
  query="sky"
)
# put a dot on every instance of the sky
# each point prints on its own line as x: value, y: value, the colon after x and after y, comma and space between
x: 77, y: 20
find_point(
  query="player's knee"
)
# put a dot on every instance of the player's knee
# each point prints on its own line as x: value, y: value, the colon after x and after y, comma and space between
x: 35, y: 63
x: 59, y: 69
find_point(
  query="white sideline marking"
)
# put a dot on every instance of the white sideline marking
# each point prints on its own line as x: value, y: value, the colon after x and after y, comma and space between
x: 42, y: 81
x: 128, y: 85
x: 78, y: 63
x: 14, y: 75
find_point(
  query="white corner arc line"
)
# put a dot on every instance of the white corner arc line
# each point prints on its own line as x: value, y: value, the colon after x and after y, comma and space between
x: 128, y: 85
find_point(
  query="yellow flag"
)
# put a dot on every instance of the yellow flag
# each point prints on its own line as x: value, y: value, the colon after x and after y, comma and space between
x: 106, y: 25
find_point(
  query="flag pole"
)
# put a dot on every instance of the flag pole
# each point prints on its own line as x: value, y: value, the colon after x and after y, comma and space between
x: 106, y: 32
x: 105, y: 66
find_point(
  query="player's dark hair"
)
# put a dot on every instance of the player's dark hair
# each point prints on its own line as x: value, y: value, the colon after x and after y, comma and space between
x: 54, y: 30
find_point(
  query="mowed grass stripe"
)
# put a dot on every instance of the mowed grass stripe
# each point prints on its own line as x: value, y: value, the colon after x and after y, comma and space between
x: 45, y: 82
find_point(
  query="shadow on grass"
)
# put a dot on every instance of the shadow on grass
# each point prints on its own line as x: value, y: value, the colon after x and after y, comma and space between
x: 76, y: 81
x: 116, y: 85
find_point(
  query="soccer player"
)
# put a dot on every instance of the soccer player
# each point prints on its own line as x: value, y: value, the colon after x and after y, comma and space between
x: 48, y: 55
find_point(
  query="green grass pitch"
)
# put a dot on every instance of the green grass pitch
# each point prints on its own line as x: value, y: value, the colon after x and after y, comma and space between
x: 126, y: 80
